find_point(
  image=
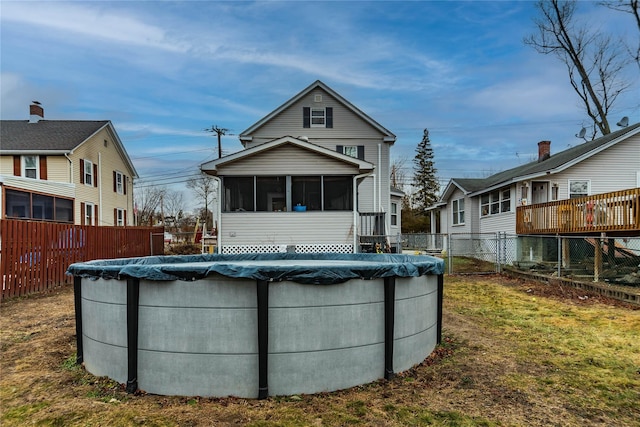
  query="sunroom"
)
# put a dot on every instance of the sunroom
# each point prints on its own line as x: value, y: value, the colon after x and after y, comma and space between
x: 289, y: 193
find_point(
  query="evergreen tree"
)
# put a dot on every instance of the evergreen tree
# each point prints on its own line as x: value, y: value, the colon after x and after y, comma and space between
x: 425, y: 182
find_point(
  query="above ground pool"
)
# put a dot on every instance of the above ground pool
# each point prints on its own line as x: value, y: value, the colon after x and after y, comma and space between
x: 256, y: 325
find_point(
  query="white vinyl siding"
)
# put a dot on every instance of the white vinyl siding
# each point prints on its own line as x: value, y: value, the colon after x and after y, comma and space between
x: 346, y: 124
x: 289, y: 158
x: 287, y: 228
x: 613, y: 169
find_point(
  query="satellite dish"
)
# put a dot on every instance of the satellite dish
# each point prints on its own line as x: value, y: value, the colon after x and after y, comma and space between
x: 582, y: 133
x: 624, y: 122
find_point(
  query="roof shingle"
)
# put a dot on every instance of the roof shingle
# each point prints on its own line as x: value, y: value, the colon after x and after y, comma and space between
x: 63, y: 135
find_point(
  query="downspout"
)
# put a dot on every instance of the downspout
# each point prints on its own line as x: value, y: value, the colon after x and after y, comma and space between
x: 101, y: 217
x: 376, y: 207
x: 70, y: 168
x: 74, y: 187
x: 355, y: 206
x: 219, y: 215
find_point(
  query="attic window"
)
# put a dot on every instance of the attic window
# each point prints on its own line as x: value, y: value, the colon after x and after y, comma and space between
x: 106, y: 143
x: 317, y: 117
x: 317, y: 98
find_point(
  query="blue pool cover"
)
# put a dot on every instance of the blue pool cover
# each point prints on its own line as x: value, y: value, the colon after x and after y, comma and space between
x: 320, y: 269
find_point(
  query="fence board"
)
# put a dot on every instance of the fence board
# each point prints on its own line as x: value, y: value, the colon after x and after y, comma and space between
x: 34, y: 255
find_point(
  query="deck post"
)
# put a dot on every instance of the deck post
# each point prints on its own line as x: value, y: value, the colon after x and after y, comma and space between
x: 597, y: 261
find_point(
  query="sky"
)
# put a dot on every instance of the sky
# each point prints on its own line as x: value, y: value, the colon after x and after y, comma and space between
x: 164, y: 72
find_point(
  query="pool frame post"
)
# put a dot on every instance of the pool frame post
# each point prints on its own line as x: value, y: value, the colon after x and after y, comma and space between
x: 440, y: 298
x: 133, y: 299
x: 77, y: 302
x: 389, y: 324
x: 263, y: 337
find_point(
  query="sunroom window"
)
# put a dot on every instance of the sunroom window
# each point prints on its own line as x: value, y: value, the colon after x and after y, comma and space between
x: 270, y: 194
x: 283, y: 193
x: 306, y: 191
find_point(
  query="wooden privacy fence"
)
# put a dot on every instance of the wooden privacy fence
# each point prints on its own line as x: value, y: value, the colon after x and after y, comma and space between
x: 34, y: 256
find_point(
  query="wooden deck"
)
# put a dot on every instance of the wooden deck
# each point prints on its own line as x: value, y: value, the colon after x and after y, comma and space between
x: 616, y: 213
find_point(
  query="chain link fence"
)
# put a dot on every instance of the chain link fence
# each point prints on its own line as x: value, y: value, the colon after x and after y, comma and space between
x: 614, y: 260
x: 587, y: 258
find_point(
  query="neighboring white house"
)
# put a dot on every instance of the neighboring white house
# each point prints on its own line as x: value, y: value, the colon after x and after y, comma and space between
x: 488, y: 205
x: 314, y: 176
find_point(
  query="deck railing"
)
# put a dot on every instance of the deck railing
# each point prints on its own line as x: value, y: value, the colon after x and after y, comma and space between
x: 618, y: 211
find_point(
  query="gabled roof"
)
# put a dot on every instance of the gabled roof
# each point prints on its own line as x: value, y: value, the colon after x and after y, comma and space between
x: 54, y: 137
x: 388, y: 136
x: 554, y: 164
x: 213, y: 165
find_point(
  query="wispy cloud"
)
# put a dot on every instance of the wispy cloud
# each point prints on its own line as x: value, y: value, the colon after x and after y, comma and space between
x: 90, y: 21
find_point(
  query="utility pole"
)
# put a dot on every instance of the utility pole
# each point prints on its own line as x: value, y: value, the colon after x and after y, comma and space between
x: 219, y: 131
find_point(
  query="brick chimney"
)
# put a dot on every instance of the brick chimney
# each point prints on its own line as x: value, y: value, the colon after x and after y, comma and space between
x: 36, y: 112
x: 544, y: 150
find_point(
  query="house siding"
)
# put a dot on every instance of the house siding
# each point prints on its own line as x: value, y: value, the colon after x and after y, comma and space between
x: 346, y: 124
x: 6, y: 165
x: 287, y: 160
x: 58, y: 169
x: 108, y: 159
x: 348, y: 129
x: 286, y: 228
x: 613, y: 169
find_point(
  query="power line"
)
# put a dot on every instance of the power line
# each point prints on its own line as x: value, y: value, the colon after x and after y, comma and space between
x: 170, y: 154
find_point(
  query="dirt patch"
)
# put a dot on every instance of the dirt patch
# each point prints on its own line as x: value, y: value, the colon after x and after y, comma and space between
x: 461, y: 383
x: 565, y: 293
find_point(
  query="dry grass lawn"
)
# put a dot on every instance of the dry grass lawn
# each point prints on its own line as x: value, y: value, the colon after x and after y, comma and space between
x: 515, y: 353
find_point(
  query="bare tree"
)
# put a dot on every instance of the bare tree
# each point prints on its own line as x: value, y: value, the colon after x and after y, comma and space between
x: 147, y: 202
x: 631, y: 7
x: 174, y: 207
x: 205, y: 188
x: 593, y: 60
x: 398, y: 175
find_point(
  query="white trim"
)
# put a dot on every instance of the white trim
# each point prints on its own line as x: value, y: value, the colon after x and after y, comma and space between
x: 89, y: 207
x: 120, y: 189
x: 23, y: 166
x: 84, y: 172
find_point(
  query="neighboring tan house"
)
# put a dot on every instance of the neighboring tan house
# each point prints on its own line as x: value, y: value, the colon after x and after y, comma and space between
x: 314, y: 176
x: 70, y: 171
x: 488, y: 205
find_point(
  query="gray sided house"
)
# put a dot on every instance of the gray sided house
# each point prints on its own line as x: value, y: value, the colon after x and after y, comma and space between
x: 488, y: 205
x: 314, y: 176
